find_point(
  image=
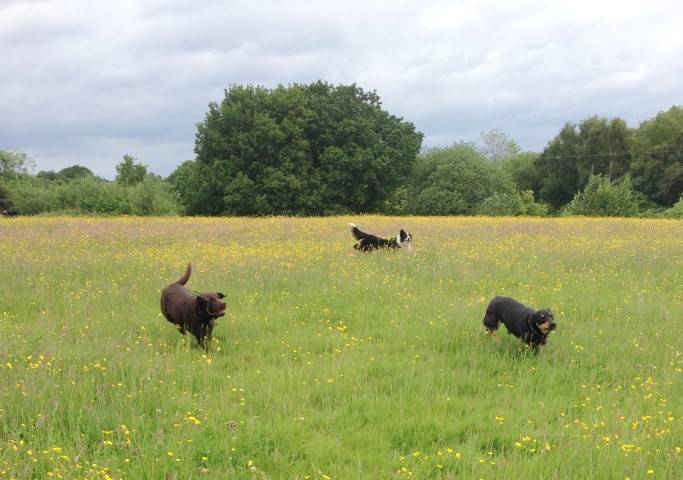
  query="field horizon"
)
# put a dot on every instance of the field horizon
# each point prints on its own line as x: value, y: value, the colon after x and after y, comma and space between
x: 335, y: 364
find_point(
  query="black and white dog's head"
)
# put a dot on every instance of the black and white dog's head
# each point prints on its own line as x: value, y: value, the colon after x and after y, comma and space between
x: 403, y: 237
x: 368, y: 242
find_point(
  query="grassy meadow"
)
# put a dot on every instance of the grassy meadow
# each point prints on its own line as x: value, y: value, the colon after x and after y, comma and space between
x: 333, y: 364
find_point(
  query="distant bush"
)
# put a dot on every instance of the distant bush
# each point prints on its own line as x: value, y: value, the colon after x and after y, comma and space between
x: 89, y: 195
x: 602, y: 198
x: 530, y: 207
x: 30, y: 195
x: 676, y: 211
x: 501, y: 204
x: 5, y: 199
x: 153, y: 197
x: 455, y: 181
x: 512, y: 204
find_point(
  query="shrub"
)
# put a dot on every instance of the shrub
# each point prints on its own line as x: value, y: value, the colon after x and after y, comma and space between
x: 512, y: 204
x: 88, y: 195
x: 454, y: 181
x: 502, y: 204
x: 530, y: 207
x: 30, y: 195
x: 153, y: 196
x: 676, y: 211
x: 602, y: 198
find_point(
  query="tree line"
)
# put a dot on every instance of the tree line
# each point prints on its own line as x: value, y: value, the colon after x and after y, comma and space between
x: 77, y: 191
x: 320, y: 149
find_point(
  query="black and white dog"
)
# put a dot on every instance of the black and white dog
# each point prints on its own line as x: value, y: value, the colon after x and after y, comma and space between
x: 368, y: 242
x: 529, y: 325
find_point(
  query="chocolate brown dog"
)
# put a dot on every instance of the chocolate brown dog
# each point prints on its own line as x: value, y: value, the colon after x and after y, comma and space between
x: 196, y: 313
x: 529, y: 325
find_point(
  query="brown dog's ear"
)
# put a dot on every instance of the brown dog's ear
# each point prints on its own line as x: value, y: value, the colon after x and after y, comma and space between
x: 220, y: 295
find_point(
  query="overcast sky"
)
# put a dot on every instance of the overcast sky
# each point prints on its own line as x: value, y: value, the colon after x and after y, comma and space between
x: 84, y: 82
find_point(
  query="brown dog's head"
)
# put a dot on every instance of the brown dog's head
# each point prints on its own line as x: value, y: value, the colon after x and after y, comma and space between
x: 210, y: 304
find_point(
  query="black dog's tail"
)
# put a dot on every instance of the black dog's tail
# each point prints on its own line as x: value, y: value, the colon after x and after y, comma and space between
x: 183, y: 280
x: 357, y: 234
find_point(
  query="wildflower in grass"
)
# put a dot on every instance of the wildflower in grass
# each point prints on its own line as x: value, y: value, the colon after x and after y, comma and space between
x: 189, y: 418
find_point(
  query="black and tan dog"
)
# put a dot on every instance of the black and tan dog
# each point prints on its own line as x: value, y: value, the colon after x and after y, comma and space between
x: 529, y: 325
x: 196, y: 313
x: 368, y: 242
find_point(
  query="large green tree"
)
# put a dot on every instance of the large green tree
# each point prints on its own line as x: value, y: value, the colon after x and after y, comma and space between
x: 596, y: 146
x: 299, y: 150
x: 657, y: 150
x: 604, y: 148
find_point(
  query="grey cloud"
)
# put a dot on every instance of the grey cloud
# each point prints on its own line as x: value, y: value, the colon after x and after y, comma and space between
x: 87, y: 82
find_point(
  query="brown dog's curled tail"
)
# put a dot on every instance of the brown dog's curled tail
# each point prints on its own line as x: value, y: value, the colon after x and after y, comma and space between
x: 183, y: 280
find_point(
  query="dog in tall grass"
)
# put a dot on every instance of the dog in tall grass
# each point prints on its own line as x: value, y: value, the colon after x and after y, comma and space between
x: 368, y: 242
x: 192, y: 312
x: 529, y: 325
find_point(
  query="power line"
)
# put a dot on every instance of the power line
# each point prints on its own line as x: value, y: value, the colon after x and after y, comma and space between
x: 619, y: 154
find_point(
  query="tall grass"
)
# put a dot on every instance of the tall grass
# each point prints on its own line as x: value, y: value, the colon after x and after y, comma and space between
x: 335, y: 364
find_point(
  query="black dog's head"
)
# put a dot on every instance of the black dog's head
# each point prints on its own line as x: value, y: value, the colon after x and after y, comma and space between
x: 403, y: 237
x: 544, y: 321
